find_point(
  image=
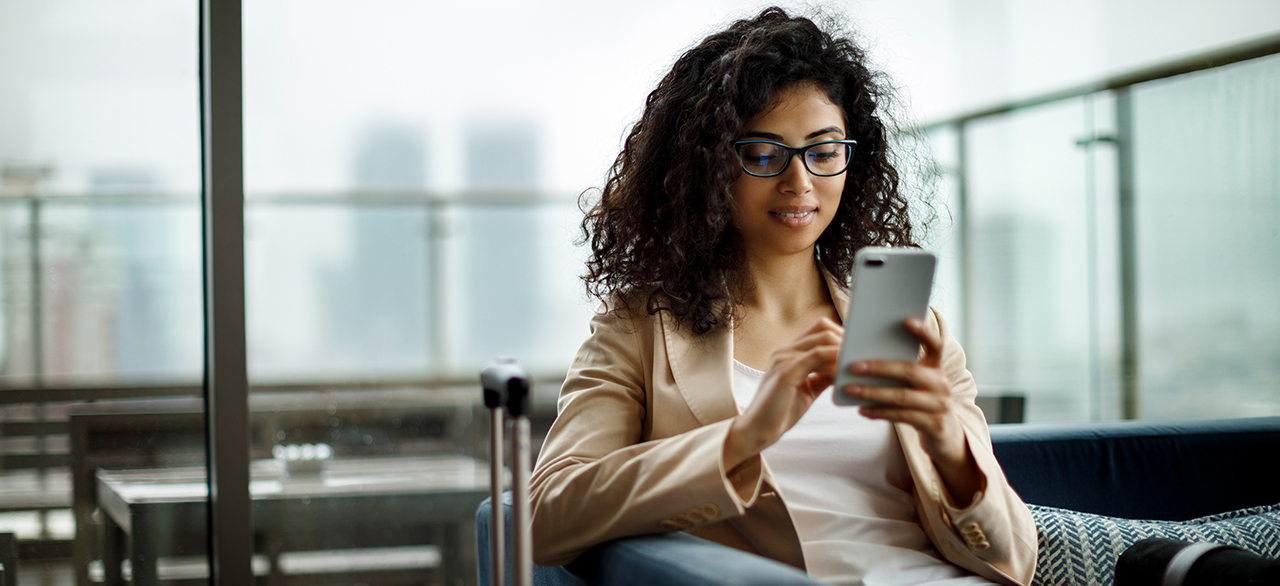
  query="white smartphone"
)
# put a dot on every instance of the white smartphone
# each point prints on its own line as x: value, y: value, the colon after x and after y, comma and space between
x: 889, y: 285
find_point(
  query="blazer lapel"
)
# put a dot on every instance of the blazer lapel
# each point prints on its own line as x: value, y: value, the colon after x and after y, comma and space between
x: 703, y: 370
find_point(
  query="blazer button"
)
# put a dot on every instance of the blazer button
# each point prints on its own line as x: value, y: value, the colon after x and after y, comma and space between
x: 682, y: 520
x: 669, y: 525
x: 695, y: 515
x: 710, y: 511
x: 981, y: 545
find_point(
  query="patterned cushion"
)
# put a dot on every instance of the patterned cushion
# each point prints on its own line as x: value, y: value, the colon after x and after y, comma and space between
x: 1081, y: 549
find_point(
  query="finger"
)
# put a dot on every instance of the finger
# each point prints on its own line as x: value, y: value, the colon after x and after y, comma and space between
x: 825, y: 323
x: 913, y: 374
x: 792, y: 368
x: 926, y: 423
x: 898, y: 397
x: 820, y: 360
x: 815, y: 339
x: 929, y: 340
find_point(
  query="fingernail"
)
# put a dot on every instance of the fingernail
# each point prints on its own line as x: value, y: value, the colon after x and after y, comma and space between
x: 852, y: 390
x: 913, y: 323
x: 859, y: 367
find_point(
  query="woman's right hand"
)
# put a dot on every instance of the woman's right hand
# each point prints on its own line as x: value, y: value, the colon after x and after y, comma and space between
x: 796, y: 375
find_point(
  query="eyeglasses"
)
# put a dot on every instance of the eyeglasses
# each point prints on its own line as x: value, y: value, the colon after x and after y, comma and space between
x: 765, y: 158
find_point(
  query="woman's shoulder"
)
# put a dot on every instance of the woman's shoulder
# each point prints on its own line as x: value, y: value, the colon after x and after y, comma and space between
x: 624, y: 314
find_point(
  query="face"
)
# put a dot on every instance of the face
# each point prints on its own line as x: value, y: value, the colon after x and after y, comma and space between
x: 785, y: 214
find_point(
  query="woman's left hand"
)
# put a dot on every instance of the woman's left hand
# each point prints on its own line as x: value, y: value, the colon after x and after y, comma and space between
x: 924, y: 403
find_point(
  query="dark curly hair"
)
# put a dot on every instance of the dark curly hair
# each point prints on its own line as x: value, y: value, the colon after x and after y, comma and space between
x: 662, y: 234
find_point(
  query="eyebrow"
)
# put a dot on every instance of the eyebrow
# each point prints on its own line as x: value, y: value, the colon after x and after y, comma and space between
x: 778, y: 137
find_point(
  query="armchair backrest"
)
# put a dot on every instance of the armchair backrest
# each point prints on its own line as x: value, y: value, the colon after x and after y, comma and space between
x: 1167, y: 470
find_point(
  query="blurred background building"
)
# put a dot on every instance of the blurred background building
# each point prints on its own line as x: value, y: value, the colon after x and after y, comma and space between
x: 413, y: 170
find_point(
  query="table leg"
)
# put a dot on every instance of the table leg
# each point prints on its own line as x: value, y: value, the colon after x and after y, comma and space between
x: 112, y: 540
x: 142, y: 551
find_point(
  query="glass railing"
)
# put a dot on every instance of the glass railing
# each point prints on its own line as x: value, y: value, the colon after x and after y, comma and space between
x: 1117, y: 242
x: 340, y: 288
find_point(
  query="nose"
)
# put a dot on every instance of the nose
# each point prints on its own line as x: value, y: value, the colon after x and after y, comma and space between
x: 796, y: 177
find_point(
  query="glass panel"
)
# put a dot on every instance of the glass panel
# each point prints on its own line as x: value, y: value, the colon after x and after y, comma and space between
x: 18, y: 345
x: 100, y: 286
x: 1205, y: 152
x: 404, y: 226
x: 337, y: 291
x: 512, y: 285
x: 121, y: 291
x: 1030, y: 315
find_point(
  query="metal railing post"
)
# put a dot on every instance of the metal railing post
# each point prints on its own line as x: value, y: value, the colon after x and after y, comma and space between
x: 1130, y: 383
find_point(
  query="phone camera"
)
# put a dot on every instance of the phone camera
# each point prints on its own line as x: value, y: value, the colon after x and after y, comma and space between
x: 875, y: 261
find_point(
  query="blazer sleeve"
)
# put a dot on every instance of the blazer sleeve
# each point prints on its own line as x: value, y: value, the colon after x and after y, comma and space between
x: 996, y: 530
x: 596, y: 479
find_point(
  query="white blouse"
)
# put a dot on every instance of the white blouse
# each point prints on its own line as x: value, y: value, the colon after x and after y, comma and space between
x: 847, y: 486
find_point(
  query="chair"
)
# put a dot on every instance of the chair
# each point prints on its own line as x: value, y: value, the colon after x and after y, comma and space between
x: 8, y: 560
x: 675, y: 559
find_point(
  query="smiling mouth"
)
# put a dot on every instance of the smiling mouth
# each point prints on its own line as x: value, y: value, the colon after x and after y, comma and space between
x: 795, y: 219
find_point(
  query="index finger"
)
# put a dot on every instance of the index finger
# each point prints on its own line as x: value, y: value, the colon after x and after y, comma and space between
x: 929, y: 340
x: 824, y: 324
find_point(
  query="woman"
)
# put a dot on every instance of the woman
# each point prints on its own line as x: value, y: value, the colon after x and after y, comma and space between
x: 721, y: 245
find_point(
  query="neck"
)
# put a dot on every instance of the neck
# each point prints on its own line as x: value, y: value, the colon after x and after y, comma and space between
x: 785, y: 287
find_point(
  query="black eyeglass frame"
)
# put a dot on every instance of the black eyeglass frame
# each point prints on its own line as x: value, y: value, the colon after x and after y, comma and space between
x: 792, y: 152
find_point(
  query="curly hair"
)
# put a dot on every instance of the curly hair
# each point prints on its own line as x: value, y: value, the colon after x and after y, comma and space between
x: 662, y: 235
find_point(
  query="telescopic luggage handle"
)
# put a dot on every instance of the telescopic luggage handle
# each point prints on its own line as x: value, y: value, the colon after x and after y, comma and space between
x: 507, y: 385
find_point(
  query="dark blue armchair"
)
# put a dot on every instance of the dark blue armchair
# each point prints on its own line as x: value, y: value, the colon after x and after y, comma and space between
x: 1170, y: 470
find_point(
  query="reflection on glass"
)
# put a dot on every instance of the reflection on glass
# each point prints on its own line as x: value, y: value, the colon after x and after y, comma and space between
x: 100, y: 281
x: 120, y: 292
x: 17, y: 346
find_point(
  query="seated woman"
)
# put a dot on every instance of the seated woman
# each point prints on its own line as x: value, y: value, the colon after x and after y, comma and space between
x: 721, y: 246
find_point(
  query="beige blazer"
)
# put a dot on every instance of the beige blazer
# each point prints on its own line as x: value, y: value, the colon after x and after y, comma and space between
x: 637, y: 449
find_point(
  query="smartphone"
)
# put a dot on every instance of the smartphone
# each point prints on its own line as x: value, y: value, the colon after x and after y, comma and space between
x: 889, y: 285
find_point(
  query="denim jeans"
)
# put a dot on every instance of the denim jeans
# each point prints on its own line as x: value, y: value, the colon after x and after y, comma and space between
x: 676, y: 559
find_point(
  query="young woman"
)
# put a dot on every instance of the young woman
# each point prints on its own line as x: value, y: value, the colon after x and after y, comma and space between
x: 721, y: 245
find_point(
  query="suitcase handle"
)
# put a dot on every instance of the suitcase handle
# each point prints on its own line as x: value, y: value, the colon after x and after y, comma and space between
x: 507, y: 385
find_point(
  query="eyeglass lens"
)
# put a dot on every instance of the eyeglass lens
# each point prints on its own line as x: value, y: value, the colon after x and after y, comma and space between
x: 766, y: 158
